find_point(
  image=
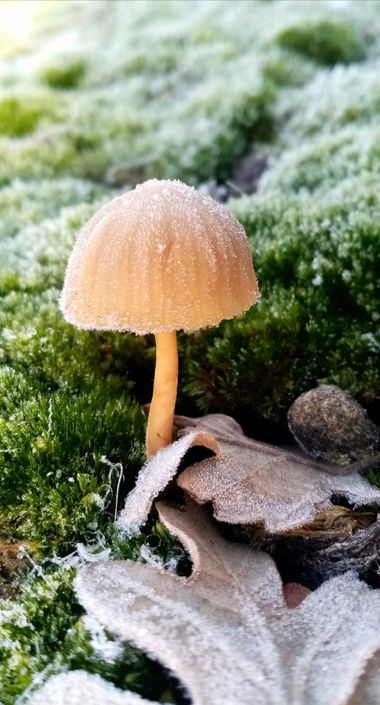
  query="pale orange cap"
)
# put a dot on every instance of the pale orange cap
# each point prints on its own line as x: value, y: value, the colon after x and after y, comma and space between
x: 159, y: 258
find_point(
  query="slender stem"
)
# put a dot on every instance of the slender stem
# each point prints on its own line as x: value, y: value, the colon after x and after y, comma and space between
x: 159, y: 432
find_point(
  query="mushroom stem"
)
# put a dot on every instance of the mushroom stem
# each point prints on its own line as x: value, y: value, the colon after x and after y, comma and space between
x: 160, y: 422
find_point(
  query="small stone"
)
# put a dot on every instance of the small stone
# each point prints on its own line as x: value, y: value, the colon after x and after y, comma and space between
x: 330, y: 425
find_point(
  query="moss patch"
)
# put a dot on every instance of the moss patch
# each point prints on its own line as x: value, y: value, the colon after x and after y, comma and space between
x: 318, y: 265
x: 326, y: 161
x: 64, y: 74
x: 64, y: 442
x: 19, y: 117
x: 327, y: 42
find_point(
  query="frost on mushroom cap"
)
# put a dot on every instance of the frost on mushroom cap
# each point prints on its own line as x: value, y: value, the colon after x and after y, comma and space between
x: 159, y: 258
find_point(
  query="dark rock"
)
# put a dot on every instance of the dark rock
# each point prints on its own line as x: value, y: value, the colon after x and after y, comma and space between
x: 330, y: 425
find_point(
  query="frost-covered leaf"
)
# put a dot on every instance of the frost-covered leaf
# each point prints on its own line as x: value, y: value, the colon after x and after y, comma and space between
x: 251, y: 482
x: 81, y: 688
x: 247, y: 481
x: 227, y: 633
x: 155, y: 475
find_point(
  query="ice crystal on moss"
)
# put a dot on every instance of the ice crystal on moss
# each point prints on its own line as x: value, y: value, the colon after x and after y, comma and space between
x: 334, y: 99
x: 324, y: 162
x: 248, y: 365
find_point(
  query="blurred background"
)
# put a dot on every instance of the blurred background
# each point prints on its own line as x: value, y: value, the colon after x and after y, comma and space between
x: 118, y: 90
x: 269, y: 105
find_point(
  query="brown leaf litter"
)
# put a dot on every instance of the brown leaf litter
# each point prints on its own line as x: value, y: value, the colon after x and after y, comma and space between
x: 248, y: 482
x: 227, y: 631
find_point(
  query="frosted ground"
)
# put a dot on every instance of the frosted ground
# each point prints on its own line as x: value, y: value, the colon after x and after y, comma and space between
x: 281, y: 99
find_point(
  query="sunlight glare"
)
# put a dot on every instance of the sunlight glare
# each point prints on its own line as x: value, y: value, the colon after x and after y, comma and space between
x: 16, y: 18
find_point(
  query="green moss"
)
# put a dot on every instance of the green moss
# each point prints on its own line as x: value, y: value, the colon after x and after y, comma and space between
x: 192, y: 140
x: 54, y: 478
x: 327, y: 42
x: 31, y: 629
x: 28, y: 203
x: 245, y: 367
x: 318, y: 265
x: 222, y: 129
x: 346, y: 96
x: 324, y: 162
x: 64, y: 404
x: 84, y: 147
x: 161, y: 61
x: 294, y: 71
x: 64, y: 74
x: 19, y: 117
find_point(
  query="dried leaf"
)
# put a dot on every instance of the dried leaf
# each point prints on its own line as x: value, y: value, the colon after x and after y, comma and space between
x: 81, y: 688
x: 252, y: 482
x: 248, y: 481
x: 336, y: 522
x: 226, y: 631
x: 155, y: 475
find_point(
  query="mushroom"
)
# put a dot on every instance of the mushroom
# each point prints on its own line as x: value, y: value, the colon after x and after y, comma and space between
x: 158, y: 259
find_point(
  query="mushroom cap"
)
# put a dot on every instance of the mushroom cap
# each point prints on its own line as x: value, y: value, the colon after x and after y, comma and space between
x: 159, y: 258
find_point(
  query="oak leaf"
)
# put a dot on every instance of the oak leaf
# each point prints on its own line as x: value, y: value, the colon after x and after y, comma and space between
x: 247, y: 481
x: 226, y: 631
